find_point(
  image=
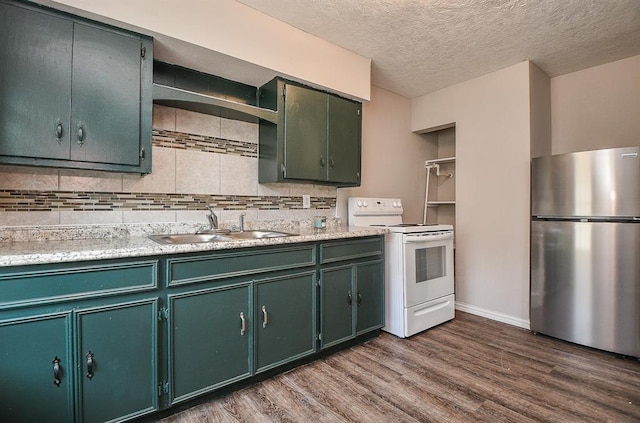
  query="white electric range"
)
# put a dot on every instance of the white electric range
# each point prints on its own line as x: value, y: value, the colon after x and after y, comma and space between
x: 419, y: 283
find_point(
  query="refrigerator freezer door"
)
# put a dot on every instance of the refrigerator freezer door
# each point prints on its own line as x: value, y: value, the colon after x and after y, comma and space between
x: 601, y: 183
x: 585, y: 283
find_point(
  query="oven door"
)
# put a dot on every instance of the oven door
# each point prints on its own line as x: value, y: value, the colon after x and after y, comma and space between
x: 428, y: 270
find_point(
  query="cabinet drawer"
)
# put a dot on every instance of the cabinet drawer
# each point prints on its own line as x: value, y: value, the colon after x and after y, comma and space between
x: 331, y: 252
x: 47, y: 284
x: 184, y: 270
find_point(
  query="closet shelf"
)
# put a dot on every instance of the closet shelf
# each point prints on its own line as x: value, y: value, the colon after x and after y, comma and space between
x: 440, y: 161
x: 440, y: 203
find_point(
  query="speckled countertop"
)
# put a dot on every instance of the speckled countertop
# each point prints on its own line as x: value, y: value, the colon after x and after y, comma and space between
x: 25, y: 246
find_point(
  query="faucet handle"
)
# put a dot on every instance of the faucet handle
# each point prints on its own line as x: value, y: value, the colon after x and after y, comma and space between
x: 213, y: 219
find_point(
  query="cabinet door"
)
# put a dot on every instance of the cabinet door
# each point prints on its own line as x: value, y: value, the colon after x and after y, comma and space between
x: 285, y: 319
x: 35, y: 82
x: 209, y: 340
x: 33, y: 388
x: 337, y: 299
x: 369, y: 296
x: 305, y: 134
x: 344, y: 140
x: 117, y: 361
x: 105, y: 116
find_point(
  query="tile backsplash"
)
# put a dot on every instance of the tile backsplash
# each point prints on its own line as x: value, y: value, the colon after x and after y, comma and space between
x: 198, y: 161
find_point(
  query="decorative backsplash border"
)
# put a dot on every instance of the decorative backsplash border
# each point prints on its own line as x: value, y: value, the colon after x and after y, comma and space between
x: 186, y: 141
x: 16, y: 200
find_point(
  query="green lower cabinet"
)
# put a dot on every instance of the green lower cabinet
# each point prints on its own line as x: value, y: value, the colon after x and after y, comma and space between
x: 87, y: 365
x: 351, y: 301
x: 117, y: 361
x: 36, y: 369
x: 369, y: 296
x: 285, y: 316
x: 210, y: 339
x: 336, y: 304
x: 82, y: 343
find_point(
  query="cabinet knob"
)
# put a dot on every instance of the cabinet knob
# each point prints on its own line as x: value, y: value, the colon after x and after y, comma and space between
x: 59, y: 129
x: 359, y: 298
x: 349, y: 298
x: 332, y: 163
x: 81, y: 134
x: 322, y: 161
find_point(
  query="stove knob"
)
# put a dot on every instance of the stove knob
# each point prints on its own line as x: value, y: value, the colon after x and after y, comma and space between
x: 395, y: 204
x: 359, y: 203
x: 364, y: 203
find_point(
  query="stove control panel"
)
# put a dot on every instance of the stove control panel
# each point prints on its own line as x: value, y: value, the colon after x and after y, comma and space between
x: 375, y: 206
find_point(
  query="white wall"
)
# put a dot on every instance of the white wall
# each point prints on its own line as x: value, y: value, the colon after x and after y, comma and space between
x: 597, y: 107
x: 240, y: 32
x: 392, y: 156
x: 540, y: 89
x: 492, y: 117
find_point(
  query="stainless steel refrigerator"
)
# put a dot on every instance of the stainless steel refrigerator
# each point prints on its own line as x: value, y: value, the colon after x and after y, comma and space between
x: 585, y: 248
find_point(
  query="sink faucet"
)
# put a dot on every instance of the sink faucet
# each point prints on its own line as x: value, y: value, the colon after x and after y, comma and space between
x: 242, y: 215
x: 213, y: 219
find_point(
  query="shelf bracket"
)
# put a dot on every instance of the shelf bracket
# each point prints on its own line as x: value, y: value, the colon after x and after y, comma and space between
x: 436, y: 166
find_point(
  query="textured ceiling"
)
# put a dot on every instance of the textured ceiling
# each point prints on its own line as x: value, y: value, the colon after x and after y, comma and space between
x: 420, y: 46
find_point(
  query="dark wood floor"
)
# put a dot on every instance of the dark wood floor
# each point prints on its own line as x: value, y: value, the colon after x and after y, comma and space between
x: 469, y: 369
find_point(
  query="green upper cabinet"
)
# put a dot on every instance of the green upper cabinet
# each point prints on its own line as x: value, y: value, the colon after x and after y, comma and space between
x: 305, y: 134
x: 35, y: 84
x: 317, y: 137
x: 73, y: 93
x: 344, y: 128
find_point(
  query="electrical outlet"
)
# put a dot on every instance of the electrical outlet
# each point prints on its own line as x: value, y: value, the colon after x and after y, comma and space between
x: 306, y: 201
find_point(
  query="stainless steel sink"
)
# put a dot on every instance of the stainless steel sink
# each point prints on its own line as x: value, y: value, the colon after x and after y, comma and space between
x: 216, y: 237
x: 189, y: 238
x: 258, y: 234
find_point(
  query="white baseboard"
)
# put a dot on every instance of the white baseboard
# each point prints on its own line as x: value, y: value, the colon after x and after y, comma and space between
x: 504, y: 318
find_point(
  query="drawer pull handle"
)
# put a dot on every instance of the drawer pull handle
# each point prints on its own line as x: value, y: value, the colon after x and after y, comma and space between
x: 56, y: 371
x: 349, y: 298
x: 90, y: 365
x: 243, y: 328
x: 265, y: 315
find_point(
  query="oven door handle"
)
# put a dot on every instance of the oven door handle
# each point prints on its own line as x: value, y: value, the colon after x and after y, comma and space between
x: 427, y: 238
